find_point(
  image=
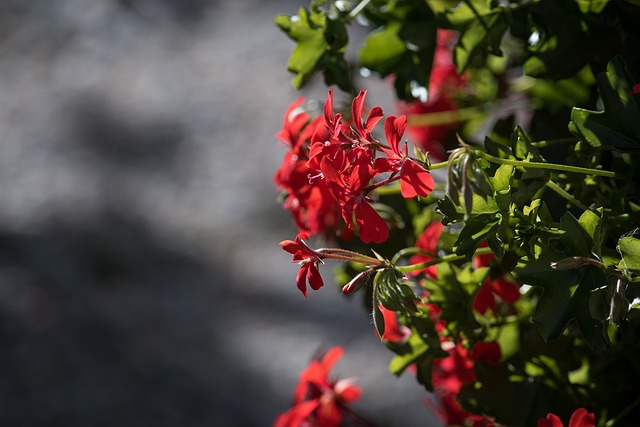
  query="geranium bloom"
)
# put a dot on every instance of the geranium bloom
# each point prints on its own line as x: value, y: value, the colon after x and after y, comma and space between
x: 444, y: 81
x: 364, y: 127
x: 319, y: 401
x: 636, y: 89
x: 579, y: 418
x: 451, y: 373
x: 308, y: 260
x: 312, y: 207
x: 348, y: 181
x: 394, y: 331
x: 427, y: 241
x: 500, y: 287
x: 414, y: 179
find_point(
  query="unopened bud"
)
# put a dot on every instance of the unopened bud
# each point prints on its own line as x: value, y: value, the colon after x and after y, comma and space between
x: 570, y: 263
x: 357, y: 282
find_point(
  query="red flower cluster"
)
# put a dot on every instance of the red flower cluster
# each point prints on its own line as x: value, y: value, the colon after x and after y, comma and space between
x: 443, y: 83
x: 312, y: 207
x: 579, y: 418
x: 451, y: 373
x: 318, y: 401
x: 332, y: 166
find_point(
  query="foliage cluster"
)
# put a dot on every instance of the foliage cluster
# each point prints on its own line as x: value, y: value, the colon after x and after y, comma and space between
x: 522, y: 261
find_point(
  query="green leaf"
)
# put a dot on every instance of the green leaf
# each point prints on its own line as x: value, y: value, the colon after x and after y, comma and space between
x: 421, y: 349
x: 321, y: 43
x: 482, y: 35
x: 453, y: 292
x: 592, y: 6
x: 617, y: 127
x: 567, y: 293
x: 496, y: 384
x: 403, y: 47
x: 383, y: 49
x: 629, y: 249
x: 475, y: 230
x: 567, y: 40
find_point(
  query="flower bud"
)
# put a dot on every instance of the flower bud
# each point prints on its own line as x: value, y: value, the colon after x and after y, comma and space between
x: 569, y: 263
x: 357, y: 282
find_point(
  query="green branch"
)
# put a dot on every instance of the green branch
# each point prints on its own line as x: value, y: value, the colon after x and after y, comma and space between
x: 559, y: 190
x: 446, y: 258
x: 549, y: 166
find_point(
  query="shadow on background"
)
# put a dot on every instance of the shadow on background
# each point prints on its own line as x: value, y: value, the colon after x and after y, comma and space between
x: 141, y: 283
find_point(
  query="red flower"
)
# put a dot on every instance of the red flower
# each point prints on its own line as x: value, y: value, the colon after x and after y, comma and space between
x: 579, y: 418
x: 500, y: 287
x: 293, y: 127
x: 414, y: 179
x: 317, y: 400
x: 427, y: 241
x: 444, y: 81
x: 308, y: 259
x: 312, y: 206
x: 394, y: 331
x: 451, y: 373
x: 364, y: 128
x: 636, y: 89
x: 348, y: 180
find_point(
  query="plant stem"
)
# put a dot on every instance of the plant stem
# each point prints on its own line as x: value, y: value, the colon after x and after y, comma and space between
x: 359, y: 8
x: 559, y: 190
x: 440, y: 165
x: 446, y: 258
x: 553, y: 142
x: 408, y: 251
x: 549, y: 166
x: 345, y: 255
x: 624, y: 413
x: 440, y: 118
x: 394, y: 188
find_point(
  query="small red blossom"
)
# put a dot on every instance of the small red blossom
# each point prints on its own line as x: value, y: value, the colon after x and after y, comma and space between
x: 319, y: 401
x: 310, y: 203
x: 493, y: 288
x: 427, y: 241
x: 444, y: 82
x: 414, y: 179
x: 636, y: 89
x: 451, y: 373
x: 486, y: 351
x: 394, y: 331
x: 579, y: 418
x: 308, y: 260
x: 294, y: 126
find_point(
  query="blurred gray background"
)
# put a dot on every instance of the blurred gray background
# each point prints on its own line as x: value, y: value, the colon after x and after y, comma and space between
x: 141, y: 281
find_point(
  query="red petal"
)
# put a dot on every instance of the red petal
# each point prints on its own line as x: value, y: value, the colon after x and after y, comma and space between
x: 415, y: 181
x: 484, y: 299
x: 371, y: 226
x: 551, y: 420
x: 331, y: 357
x: 328, y: 107
x: 356, y: 110
x: 301, y: 279
x: 582, y: 418
x: 372, y: 119
x: 394, y: 129
x: 315, y: 280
